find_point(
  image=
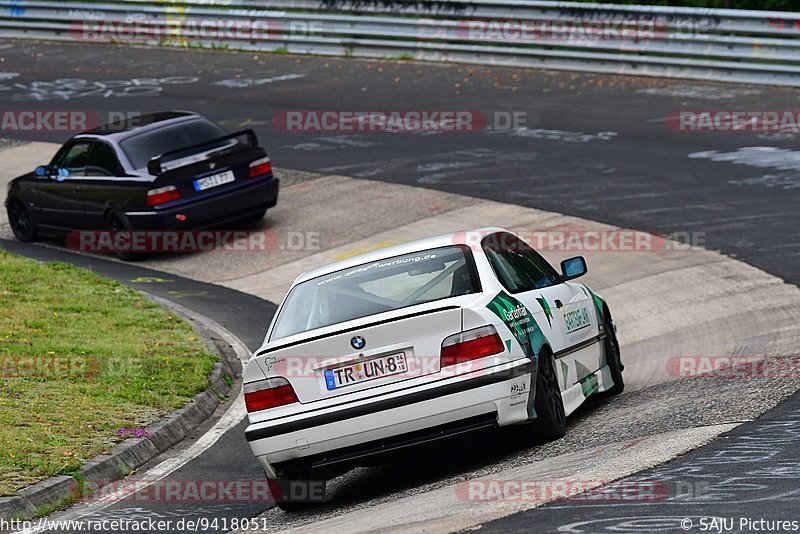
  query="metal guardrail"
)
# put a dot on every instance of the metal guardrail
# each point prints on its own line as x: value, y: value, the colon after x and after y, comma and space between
x: 760, y: 47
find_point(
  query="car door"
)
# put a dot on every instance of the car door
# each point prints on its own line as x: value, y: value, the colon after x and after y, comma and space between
x: 104, y: 185
x: 59, y: 197
x: 563, y: 310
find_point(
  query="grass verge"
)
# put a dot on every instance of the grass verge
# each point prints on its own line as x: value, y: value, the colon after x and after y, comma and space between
x: 84, y: 363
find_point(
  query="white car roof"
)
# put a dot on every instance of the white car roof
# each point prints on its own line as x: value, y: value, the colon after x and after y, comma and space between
x: 462, y: 237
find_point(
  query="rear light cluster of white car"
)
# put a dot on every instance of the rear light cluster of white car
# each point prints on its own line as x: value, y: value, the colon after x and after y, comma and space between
x: 458, y: 348
x: 259, y: 167
x: 269, y: 393
x: 471, y: 345
x: 162, y: 195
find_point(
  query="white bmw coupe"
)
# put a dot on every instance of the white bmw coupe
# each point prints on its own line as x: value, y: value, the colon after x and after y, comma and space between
x: 419, y: 342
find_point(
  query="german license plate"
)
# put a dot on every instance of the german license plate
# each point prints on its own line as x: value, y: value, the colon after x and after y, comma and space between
x: 201, y: 184
x: 366, y: 370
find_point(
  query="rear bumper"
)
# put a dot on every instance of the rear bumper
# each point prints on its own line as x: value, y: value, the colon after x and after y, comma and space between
x: 254, y: 197
x: 370, y: 427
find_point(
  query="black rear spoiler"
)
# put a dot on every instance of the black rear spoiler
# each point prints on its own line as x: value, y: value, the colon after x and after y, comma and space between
x: 154, y: 165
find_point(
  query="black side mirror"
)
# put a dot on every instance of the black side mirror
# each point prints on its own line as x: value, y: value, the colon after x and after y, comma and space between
x: 573, y: 268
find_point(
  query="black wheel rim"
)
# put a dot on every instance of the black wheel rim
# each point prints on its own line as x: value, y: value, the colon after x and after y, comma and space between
x: 554, y: 402
x: 116, y: 225
x: 19, y: 219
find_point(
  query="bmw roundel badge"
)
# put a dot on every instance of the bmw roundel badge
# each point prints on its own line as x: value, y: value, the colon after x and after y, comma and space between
x: 358, y: 342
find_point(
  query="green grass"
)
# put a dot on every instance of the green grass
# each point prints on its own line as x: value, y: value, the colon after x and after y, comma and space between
x: 80, y: 358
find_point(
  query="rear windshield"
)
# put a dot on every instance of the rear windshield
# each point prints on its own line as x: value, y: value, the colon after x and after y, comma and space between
x: 382, y: 286
x: 142, y: 147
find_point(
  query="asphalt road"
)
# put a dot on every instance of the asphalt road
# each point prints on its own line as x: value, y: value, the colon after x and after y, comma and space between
x: 746, y: 482
x: 593, y: 146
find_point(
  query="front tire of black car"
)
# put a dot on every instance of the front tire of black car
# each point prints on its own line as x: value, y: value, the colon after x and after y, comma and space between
x: 117, y: 223
x: 22, y: 224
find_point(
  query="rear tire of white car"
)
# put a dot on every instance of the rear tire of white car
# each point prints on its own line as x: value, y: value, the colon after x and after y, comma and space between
x: 613, y: 359
x: 293, y: 495
x: 551, y: 421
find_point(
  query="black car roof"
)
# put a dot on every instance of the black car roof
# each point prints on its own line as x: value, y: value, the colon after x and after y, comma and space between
x: 134, y: 122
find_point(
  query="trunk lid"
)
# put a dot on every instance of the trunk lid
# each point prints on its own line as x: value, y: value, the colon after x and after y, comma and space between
x: 209, y: 168
x: 377, y: 354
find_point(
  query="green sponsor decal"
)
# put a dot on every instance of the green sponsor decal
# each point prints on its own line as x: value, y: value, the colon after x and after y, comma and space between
x: 577, y: 319
x: 589, y: 381
x: 546, y: 308
x: 520, y: 321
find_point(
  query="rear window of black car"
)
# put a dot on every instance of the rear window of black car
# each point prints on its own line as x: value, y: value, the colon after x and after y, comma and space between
x: 142, y: 147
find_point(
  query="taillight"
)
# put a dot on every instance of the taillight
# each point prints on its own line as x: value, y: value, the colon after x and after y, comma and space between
x: 269, y: 393
x: 162, y: 194
x: 471, y: 345
x: 260, y: 166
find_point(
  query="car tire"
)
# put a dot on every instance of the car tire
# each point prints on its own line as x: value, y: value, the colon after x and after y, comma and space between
x: 21, y: 222
x: 287, y: 498
x: 613, y: 359
x: 551, y: 422
x: 255, y: 217
x: 118, y: 223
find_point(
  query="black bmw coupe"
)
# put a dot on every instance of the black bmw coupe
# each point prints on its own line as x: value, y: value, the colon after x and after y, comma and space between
x: 171, y: 170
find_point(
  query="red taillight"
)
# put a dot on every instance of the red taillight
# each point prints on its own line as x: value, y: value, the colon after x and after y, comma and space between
x: 471, y: 345
x: 259, y: 167
x: 162, y: 194
x: 269, y: 393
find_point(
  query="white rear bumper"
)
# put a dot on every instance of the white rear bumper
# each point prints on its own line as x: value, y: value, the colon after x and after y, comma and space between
x: 449, y: 400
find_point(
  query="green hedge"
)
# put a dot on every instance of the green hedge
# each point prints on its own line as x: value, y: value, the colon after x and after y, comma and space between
x: 772, y: 5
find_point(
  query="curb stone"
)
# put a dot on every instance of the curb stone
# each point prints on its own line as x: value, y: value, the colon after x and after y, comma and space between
x: 132, y: 453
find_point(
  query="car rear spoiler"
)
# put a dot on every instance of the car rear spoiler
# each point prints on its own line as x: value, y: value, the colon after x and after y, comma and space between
x: 154, y: 165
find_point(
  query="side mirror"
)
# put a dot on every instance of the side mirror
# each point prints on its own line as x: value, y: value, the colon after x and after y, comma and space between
x: 59, y: 173
x: 573, y: 268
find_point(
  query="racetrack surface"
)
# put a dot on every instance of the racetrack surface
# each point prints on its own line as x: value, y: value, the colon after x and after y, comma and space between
x: 667, y: 303
x: 594, y: 146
